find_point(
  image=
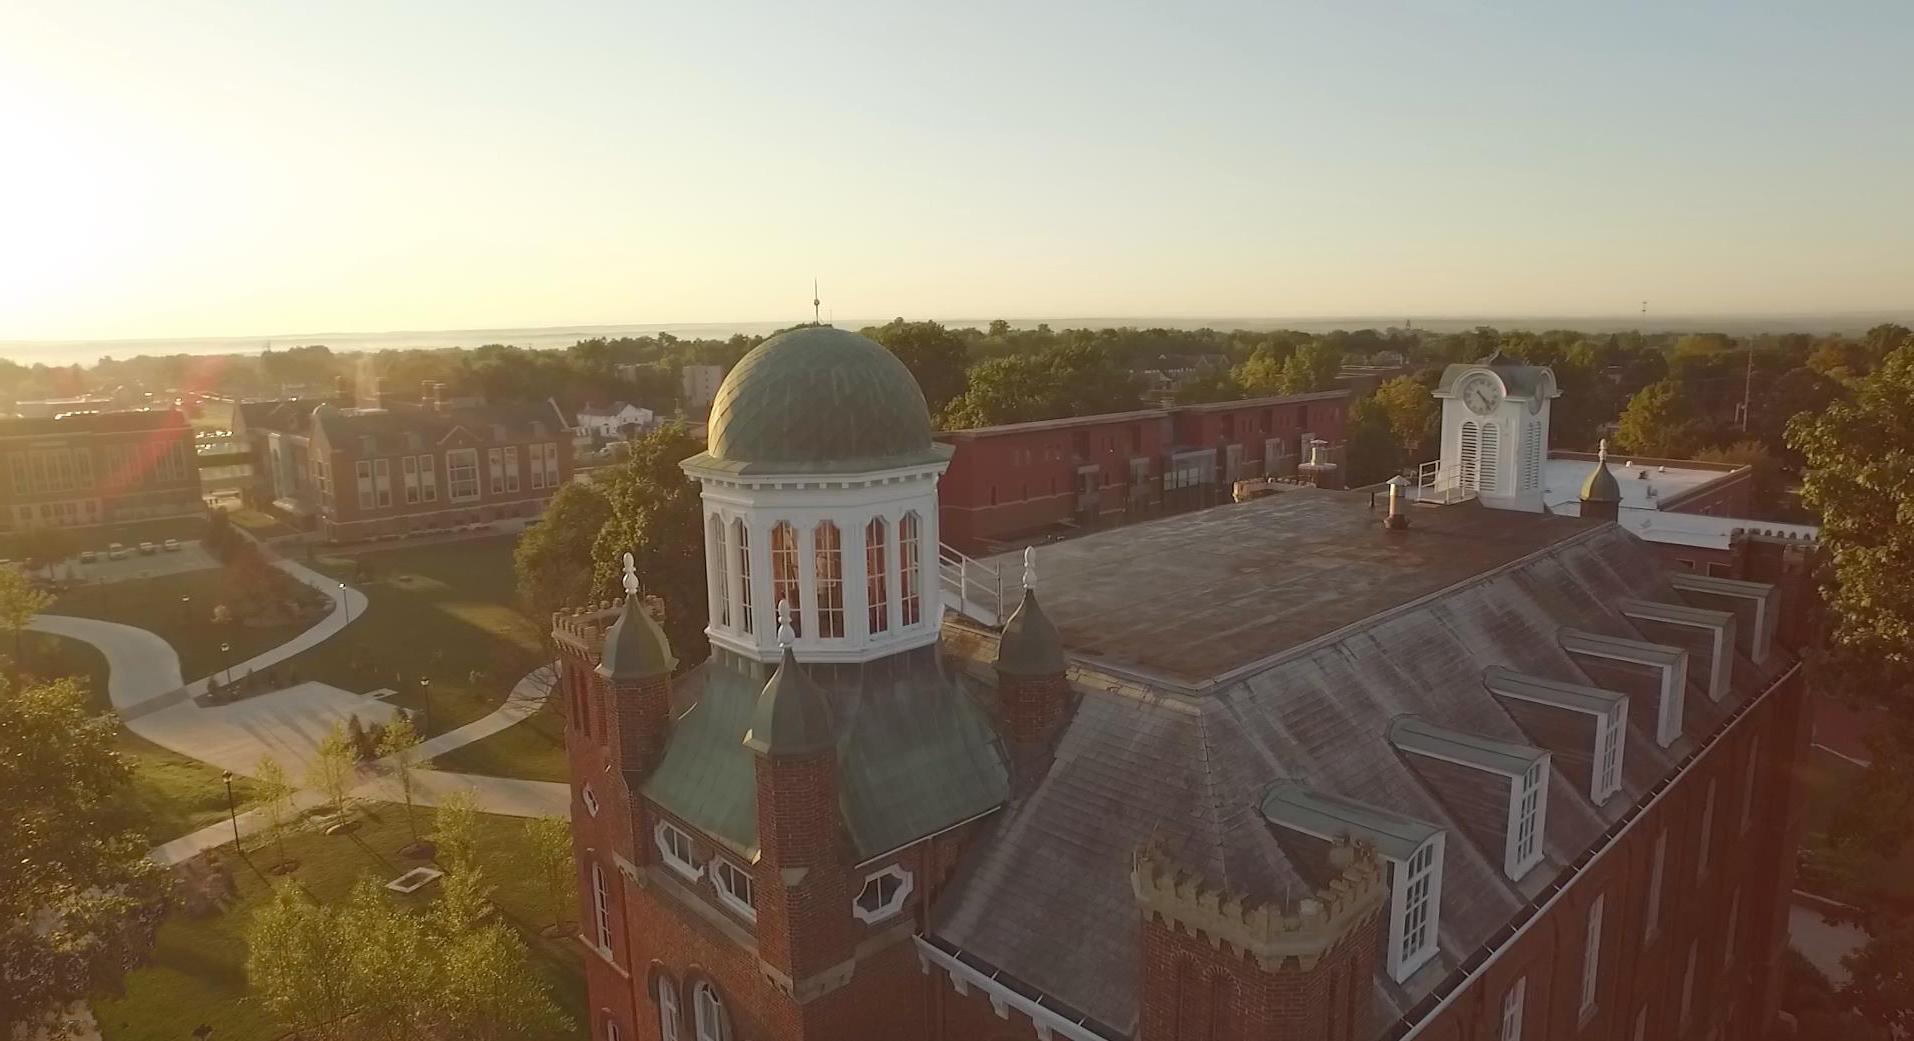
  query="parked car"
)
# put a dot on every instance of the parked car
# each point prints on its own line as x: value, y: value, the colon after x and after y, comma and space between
x: 115, y: 551
x: 172, y: 545
x: 88, y: 556
x: 147, y: 549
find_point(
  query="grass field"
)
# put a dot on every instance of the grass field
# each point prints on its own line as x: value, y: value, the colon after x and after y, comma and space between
x: 171, y: 794
x: 198, y: 971
x: 155, y: 604
x: 262, y: 525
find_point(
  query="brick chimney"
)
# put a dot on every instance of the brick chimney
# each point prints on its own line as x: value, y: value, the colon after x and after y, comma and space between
x: 1033, y: 689
x: 800, y: 880
x: 1216, y: 967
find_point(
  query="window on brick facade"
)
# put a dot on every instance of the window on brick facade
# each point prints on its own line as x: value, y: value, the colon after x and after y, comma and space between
x: 409, y: 466
x: 743, y: 539
x: 668, y: 1021
x: 601, y: 908
x: 363, y: 471
x: 495, y: 465
x: 784, y: 573
x: 428, y: 479
x: 876, y: 577
x: 883, y: 894
x: 1748, y: 781
x: 1415, y: 906
x: 461, y: 474
x: 734, y: 887
x: 827, y: 547
x: 551, y: 465
x: 1707, y: 831
x: 675, y: 846
x: 612, y: 1033
x: 713, y: 1024
x: 1652, y: 924
x: 511, y: 470
x: 1609, y: 730
x: 1688, y: 985
x: 590, y: 798
x: 382, y: 481
x: 1734, y: 927
x: 1592, y: 956
x: 1512, y: 1001
x: 1528, y: 810
x: 908, y: 566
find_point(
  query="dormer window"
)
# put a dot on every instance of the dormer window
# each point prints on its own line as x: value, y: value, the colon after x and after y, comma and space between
x: 734, y: 887
x: 674, y: 845
x: 1414, y: 909
x: 1522, y: 770
x: 883, y: 895
x: 1608, y: 753
x: 1528, y: 809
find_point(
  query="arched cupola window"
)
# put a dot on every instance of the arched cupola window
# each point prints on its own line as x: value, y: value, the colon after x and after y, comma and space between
x: 720, y: 574
x: 910, y: 595
x: 877, y: 577
x: 829, y: 561
x: 784, y: 572
x: 743, y: 540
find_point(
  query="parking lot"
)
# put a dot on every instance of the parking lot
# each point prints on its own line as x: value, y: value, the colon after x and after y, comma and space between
x: 189, y: 557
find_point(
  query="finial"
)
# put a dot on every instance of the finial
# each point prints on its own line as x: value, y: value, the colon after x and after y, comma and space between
x: 631, y: 576
x: 785, y: 632
x: 1030, y: 567
x: 1601, y: 454
x: 816, y: 318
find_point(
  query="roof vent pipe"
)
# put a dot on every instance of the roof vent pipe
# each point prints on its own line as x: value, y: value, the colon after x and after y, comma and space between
x: 1397, y: 519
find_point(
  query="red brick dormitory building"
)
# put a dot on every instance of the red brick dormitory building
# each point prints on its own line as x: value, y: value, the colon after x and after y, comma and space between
x: 1265, y: 771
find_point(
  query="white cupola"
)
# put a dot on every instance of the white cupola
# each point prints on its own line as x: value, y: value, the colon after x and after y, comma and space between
x: 820, y: 488
x: 1495, y: 430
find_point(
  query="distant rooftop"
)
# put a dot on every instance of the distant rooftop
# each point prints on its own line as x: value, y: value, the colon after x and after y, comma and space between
x: 1648, y: 485
x: 1193, y: 598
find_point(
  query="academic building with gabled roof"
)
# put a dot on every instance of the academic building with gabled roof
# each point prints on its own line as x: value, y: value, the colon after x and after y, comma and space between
x: 1272, y: 770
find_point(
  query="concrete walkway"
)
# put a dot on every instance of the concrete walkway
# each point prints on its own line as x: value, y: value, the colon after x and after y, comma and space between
x: 145, y: 687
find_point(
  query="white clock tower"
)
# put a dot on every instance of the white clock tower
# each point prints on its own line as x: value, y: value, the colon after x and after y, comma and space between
x: 1495, y: 430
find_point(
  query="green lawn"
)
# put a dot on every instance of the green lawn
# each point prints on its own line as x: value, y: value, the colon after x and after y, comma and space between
x: 198, y: 971
x: 260, y: 524
x: 445, y: 612
x: 171, y: 794
x: 155, y: 604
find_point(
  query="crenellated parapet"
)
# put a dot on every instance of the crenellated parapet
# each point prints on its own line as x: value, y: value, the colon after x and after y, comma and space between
x: 1278, y: 938
x: 581, y: 630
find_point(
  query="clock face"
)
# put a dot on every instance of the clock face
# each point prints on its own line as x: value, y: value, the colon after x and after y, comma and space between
x: 1482, y: 394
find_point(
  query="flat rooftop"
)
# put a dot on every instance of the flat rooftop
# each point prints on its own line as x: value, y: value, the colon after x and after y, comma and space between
x: 1562, y: 479
x: 1191, y: 598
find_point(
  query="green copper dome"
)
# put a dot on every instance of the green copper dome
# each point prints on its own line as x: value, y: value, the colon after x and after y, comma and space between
x: 818, y: 400
x: 1601, y: 485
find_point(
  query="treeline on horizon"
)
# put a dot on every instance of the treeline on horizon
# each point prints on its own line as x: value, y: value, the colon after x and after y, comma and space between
x: 1671, y: 393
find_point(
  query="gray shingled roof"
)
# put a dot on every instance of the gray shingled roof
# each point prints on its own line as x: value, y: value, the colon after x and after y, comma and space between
x: 1044, y: 895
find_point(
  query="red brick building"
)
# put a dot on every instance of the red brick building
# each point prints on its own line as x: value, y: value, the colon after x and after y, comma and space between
x: 1027, y: 478
x: 93, y: 468
x: 394, y: 467
x: 1270, y: 770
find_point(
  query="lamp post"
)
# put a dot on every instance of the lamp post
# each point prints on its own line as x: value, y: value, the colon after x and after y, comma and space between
x: 232, y: 808
x: 225, y: 657
x: 346, y: 600
x: 425, y: 699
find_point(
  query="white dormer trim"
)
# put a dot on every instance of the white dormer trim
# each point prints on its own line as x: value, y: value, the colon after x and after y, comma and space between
x: 1528, y: 820
x: 1672, y: 662
x: 1720, y: 625
x: 1415, y: 908
x: 1760, y: 594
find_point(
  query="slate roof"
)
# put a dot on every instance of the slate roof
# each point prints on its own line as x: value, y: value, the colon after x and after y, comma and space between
x: 1302, y: 695
x: 285, y: 416
x: 1522, y: 381
x: 92, y: 422
x: 346, y: 429
x: 916, y: 752
x: 818, y: 400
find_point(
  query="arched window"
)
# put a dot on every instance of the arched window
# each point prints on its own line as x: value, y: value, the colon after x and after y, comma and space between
x: 877, y: 577
x: 712, y: 1025
x: 612, y: 1033
x: 908, y: 595
x: 720, y: 577
x: 829, y: 564
x: 668, y: 1009
x: 743, y: 540
x: 601, y: 908
x: 784, y: 572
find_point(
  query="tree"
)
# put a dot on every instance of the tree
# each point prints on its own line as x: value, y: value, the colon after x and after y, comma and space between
x: 1313, y: 367
x: 19, y: 602
x: 1209, y: 384
x: 553, y: 561
x: 1881, y: 975
x: 1794, y: 392
x: 396, y: 746
x: 551, y: 842
x: 1767, y: 470
x: 272, y: 796
x: 936, y: 356
x: 296, y: 957
x: 1372, y: 453
x: 457, y: 834
x: 1076, y: 378
x: 1261, y: 374
x: 45, y: 547
x: 332, y: 767
x: 1414, y: 421
x: 657, y: 515
x: 1657, y: 421
x: 79, y: 901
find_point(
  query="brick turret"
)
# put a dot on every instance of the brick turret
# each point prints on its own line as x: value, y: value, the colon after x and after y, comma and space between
x: 1217, y: 967
x: 1033, y: 688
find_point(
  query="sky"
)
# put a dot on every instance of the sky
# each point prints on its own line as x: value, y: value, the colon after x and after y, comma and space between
x: 253, y: 167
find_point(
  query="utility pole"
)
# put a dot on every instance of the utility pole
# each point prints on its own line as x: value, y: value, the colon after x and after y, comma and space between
x: 1747, y: 388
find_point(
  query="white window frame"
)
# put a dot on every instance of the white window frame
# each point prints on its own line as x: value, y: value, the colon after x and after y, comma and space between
x: 495, y: 470
x: 362, y: 472
x: 827, y: 578
x: 612, y: 1033
x: 461, y: 459
x: 589, y: 798
x: 601, y: 909
x: 686, y: 864
x: 409, y: 467
x: 382, y: 482
x: 1651, y: 927
x: 888, y: 908
x: 1611, y: 729
x: 670, y: 1026
x: 1592, y: 956
x: 551, y: 464
x: 1513, y: 1002
x: 1528, y: 817
x: 1707, y: 832
x: 910, y: 537
x: 428, y: 479
x: 727, y: 876
x: 708, y: 1011
x: 746, y: 621
x: 720, y: 579
x: 511, y: 470
x: 1406, y: 952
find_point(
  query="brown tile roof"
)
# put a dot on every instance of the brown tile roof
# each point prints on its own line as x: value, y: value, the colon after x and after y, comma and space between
x: 93, y: 423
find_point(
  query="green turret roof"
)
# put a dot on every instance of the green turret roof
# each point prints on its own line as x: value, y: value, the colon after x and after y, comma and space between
x: 1601, y: 485
x: 793, y: 717
x: 1030, y: 645
x: 635, y: 647
x: 818, y: 400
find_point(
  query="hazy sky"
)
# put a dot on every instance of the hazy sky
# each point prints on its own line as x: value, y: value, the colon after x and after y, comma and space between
x: 251, y: 167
